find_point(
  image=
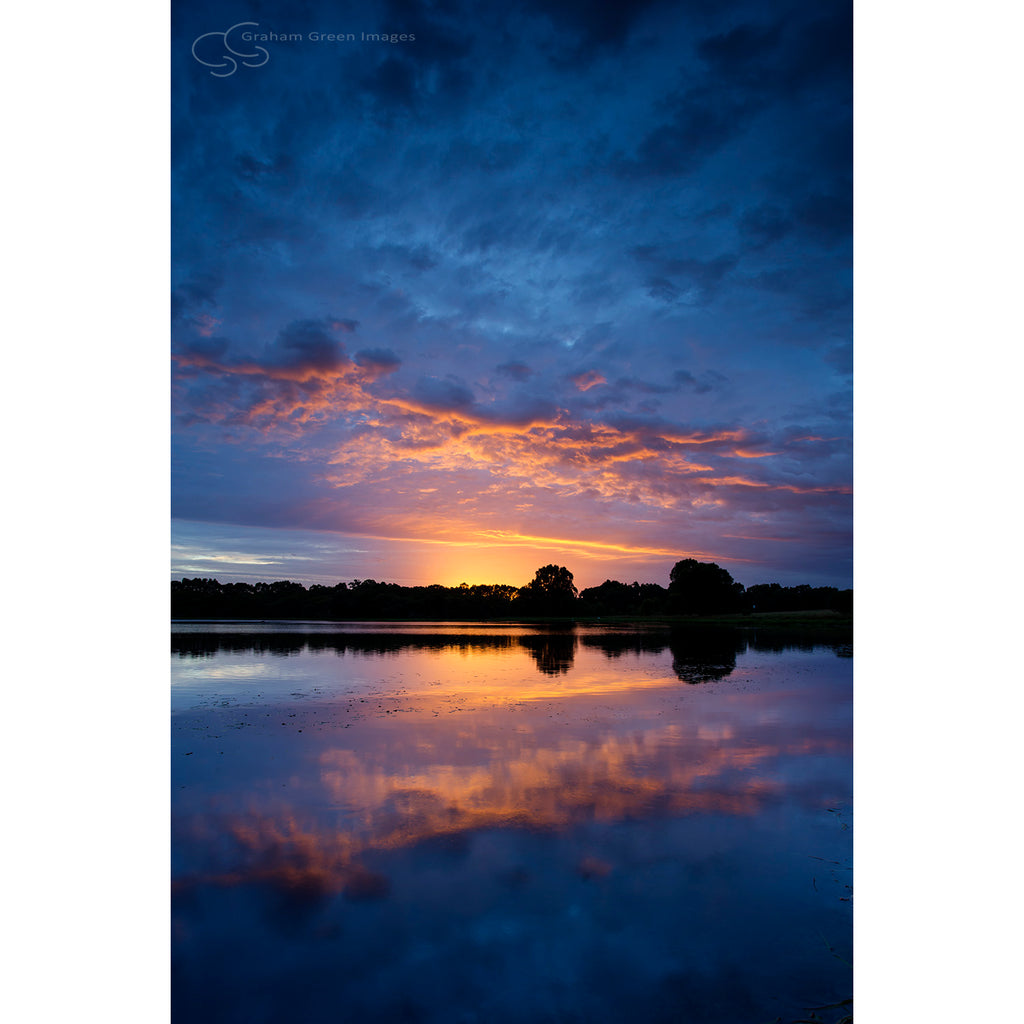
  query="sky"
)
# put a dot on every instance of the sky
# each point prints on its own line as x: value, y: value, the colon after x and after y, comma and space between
x: 543, y: 282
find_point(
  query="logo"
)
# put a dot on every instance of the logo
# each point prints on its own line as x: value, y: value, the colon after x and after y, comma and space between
x: 216, y: 55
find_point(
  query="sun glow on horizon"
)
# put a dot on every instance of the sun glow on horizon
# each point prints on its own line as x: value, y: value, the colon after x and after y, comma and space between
x: 511, y: 559
x: 482, y: 557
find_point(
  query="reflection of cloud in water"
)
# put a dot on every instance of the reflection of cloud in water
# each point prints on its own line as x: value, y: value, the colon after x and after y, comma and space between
x: 206, y: 671
x: 571, y: 782
x: 395, y: 796
x: 304, y: 864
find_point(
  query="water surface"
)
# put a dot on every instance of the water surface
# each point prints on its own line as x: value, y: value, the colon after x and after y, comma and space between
x: 470, y: 822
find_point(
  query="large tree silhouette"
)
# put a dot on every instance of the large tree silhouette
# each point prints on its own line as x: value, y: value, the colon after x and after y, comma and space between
x: 550, y: 592
x: 703, y: 588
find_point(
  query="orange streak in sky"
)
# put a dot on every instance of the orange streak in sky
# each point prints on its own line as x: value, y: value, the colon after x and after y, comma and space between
x: 502, y: 538
x: 739, y: 481
x: 505, y: 537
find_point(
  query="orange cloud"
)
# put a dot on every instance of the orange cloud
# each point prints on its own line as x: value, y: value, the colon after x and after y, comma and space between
x: 589, y: 379
x: 739, y: 481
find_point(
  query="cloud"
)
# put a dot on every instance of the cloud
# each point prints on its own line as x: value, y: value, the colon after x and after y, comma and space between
x: 740, y: 54
x: 448, y: 394
x: 314, y: 344
x: 594, y: 25
x: 515, y: 370
x: 197, y: 292
x: 683, y: 276
x: 588, y: 379
x: 253, y: 168
x: 393, y: 83
x: 379, y: 361
x: 829, y: 218
x: 764, y: 224
x: 702, y: 120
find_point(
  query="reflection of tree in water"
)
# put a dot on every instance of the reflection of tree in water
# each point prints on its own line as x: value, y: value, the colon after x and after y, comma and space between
x: 553, y: 652
x: 836, y: 638
x: 705, y: 655
x: 615, y: 645
x: 699, y: 655
x: 207, y: 644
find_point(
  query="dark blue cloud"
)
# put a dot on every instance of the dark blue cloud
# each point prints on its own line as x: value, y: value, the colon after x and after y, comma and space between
x: 444, y: 395
x: 380, y: 359
x: 593, y: 25
x: 195, y: 293
x: 313, y: 344
x: 392, y: 83
x: 515, y: 370
x: 764, y: 224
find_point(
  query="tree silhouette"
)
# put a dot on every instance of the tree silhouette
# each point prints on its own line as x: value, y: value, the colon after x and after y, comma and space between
x: 550, y: 592
x: 703, y: 588
x: 614, y: 598
x: 697, y: 588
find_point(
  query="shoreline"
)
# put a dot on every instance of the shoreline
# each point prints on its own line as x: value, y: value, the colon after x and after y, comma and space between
x: 811, y: 619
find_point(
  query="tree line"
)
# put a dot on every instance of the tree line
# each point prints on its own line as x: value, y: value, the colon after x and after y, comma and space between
x: 695, y: 588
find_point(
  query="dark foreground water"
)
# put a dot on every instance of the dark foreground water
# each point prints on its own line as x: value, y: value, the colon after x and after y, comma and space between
x: 455, y: 824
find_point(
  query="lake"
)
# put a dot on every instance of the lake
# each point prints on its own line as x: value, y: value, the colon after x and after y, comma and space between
x: 456, y: 823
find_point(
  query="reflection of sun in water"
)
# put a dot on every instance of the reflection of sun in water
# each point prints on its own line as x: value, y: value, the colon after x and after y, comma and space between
x: 516, y: 674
